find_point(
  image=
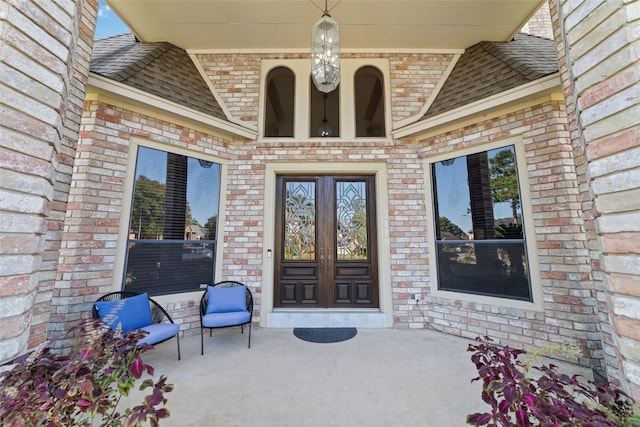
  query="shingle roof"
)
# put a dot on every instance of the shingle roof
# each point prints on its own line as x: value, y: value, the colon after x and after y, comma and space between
x: 488, y: 68
x: 161, y: 69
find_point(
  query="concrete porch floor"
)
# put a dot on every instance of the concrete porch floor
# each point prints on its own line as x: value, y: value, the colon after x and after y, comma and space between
x: 381, y: 377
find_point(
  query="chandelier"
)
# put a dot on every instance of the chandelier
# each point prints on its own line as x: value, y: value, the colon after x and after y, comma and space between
x: 325, y: 53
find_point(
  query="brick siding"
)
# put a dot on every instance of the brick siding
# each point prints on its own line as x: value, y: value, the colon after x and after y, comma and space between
x: 44, y: 64
x: 540, y: 23
x: 236, y: 78
x: 587, y: 181
x: 570, y: 305
x: 600, y: 82
x: 88, y: 248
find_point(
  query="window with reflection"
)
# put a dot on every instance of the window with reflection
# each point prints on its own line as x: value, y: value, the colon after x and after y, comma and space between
x: 279, y: 105
x: 369, y: 99
x: 174, y: 217
x: 480, y: 238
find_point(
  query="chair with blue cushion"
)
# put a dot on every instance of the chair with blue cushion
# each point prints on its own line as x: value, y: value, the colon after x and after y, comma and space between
x: 134, y: 311
x: 224, y: 305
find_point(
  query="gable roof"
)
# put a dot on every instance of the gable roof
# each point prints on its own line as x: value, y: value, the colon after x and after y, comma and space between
x: 161, y: 69
x: 488, y: 68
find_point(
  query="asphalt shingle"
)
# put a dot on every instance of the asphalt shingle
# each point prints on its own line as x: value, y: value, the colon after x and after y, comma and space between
x: 161, y: 69
x: 488, y: 68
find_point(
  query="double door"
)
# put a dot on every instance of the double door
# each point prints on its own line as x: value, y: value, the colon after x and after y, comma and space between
x: 326, y: 244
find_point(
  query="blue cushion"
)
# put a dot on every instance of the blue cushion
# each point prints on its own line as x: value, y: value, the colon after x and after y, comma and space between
x: 219, y: 320
x: 226, y: 300
x: 130, y: 313
x: 158, y: 332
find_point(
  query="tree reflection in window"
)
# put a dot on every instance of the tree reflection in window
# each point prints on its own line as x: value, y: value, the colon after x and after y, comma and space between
x: 480, y: 240
x: 173, y: 221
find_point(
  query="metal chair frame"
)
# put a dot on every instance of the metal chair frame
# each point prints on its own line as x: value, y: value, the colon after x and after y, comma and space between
x: 158, y: 313
x: 204, y: 301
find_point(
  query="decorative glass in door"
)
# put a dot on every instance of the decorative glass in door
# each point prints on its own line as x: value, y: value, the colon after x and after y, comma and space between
x: 300, y: 221
x: 325, y: 242
x: 351, y: 224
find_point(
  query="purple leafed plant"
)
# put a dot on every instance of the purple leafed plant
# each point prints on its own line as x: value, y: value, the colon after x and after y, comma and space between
x: 84, y: 386
x: 553, y: 399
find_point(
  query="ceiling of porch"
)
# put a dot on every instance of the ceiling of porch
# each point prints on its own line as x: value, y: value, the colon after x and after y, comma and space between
x: 286, y: 24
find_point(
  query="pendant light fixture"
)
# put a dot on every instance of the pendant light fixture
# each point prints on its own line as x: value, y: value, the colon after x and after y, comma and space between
x: 325, y: 53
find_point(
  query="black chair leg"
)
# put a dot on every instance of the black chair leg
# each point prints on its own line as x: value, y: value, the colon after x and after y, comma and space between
x: 178, y: 339
x: 201, y: 342
x: 249, y: 336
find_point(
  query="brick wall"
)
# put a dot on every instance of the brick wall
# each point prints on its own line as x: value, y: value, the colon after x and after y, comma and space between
x: 413, y: 80
x: 236, y: 78
x: 42, y: 91
x: 540, y: 23
x: 600, y: 80
x: 44, y: 63
x: 88, y: 248
x: 570, y: 306
x: 569, y: 300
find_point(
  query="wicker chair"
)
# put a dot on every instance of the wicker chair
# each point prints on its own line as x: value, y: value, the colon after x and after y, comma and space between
x: 225, y: 305
x: 160, y: 329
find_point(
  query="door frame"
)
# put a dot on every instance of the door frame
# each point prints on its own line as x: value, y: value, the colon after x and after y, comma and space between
x: 327, y: 277
x: 379, y: 170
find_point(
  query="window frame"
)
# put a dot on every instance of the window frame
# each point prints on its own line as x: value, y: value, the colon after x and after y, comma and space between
x: 268, y: 79
x: 332, y: 100
x: 302, y: 72
x: 536, y: 302
x: 361, y: 73
x: 126, y: 214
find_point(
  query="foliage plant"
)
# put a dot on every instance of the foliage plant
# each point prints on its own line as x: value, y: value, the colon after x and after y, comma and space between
x: 82, y: 387
x: 552, y: 399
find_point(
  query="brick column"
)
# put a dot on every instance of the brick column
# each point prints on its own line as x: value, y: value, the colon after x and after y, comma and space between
x: 45, y: 49
x: 598, y: 45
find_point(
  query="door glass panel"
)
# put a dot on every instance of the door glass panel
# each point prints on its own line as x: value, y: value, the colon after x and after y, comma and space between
x: 351, y: 224
x: 300, y: 221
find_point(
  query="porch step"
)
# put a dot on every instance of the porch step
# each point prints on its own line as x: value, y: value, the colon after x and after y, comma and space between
x: 323, y: 318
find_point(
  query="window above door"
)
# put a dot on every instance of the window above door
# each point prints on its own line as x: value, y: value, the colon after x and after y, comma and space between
x: 291, y: 107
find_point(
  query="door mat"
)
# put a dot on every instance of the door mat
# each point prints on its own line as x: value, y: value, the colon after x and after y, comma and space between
x: 325, y: 335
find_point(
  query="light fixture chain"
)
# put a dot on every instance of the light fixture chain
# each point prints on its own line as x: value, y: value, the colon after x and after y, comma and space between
x: 326, y: 10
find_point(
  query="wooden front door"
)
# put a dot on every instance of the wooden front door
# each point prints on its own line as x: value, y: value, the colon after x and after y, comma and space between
x: 325, y: 254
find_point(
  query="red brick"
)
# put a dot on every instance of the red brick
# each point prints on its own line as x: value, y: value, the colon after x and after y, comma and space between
x: 13, y: 285
x: 613, y: 144
x: 626, y: 327
x: 607, y: 88
x: 621, y: 243
x: 626, y: 285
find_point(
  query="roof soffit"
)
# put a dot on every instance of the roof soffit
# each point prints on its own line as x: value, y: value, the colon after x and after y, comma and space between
x: 286, y: 24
